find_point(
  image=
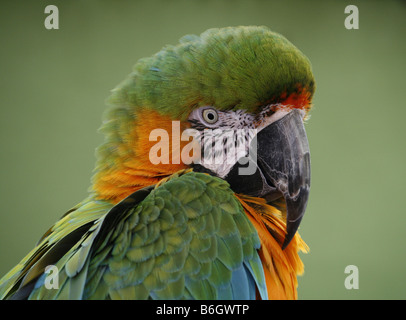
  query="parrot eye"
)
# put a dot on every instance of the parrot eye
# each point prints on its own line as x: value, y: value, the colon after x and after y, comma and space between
x: 210, y: 115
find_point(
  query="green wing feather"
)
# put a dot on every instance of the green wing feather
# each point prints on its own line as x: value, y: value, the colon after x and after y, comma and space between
x: 187, y: 238
x: 55, y: 247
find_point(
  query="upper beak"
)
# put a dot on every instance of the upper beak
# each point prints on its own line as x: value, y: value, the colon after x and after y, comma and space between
x: 283, y: 163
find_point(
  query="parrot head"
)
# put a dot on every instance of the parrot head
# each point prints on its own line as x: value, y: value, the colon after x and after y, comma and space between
x: 242, y: 95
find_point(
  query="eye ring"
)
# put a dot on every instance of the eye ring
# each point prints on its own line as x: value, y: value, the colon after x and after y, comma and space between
x: 210, y: 115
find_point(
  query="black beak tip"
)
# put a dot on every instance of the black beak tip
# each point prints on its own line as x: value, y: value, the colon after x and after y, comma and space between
x: 295, y: 212
x: 291, y: 229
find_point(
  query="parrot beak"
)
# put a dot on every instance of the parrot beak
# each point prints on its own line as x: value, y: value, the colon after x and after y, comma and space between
x: 283, y: 163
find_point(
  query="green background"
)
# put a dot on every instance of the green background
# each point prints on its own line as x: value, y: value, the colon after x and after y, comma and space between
x: 53, y: 86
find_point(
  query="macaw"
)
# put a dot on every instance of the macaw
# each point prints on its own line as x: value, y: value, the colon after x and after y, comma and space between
x: 194, y: 229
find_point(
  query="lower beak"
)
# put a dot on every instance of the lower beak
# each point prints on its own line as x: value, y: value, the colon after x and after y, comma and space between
x: 283, y: 163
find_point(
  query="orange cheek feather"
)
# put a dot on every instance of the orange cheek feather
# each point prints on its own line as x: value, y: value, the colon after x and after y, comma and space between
x: 136, y: 171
